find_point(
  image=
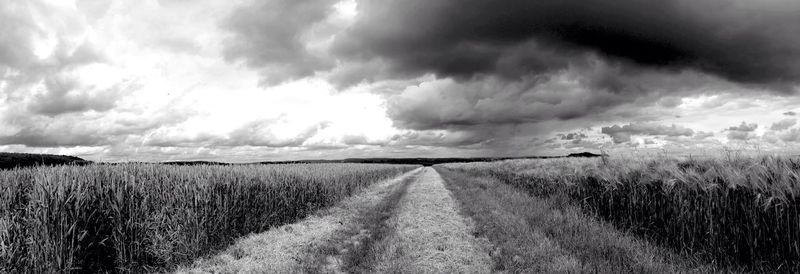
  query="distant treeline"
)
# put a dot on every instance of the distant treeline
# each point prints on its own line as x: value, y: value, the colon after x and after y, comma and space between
x: 12, y: 160
x: 406, y: 161
x: 401, y: 161
x: 430, y: 161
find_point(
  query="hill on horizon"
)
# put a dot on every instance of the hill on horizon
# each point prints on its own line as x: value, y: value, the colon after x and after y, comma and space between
x: 9, y: 160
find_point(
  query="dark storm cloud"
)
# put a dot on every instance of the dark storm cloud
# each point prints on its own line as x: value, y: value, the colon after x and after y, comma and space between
x: 622, y: 134
x: 528, y: 62
x: 453, y: 138
x: 744, y: 41
x: 268, y: 35
x: 574, y: 94
x: 783, y: 124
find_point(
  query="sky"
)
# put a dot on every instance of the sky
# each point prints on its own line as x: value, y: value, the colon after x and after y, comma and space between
x: 240, y: 81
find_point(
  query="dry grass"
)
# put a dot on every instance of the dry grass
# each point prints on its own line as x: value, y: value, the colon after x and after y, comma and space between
x: 430, y: 235
x: 146, y: 217
x: 535, y: 235
x: 732, y: 210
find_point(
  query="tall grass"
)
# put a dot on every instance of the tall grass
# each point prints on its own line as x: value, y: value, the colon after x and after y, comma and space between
x: 146, y: 217
x: 734, y: 211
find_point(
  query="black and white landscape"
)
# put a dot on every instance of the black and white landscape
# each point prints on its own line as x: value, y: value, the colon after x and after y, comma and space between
x: 399, y: 136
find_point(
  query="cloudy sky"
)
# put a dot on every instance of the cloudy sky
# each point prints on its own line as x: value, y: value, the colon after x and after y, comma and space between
x: 237, y: 80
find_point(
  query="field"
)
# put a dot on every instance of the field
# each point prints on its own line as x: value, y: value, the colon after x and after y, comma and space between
x: 567, y: 215
x: 735, y: 212
x: 144, y: 217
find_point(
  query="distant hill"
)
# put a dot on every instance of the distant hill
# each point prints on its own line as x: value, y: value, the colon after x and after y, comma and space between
x: 12, y: 160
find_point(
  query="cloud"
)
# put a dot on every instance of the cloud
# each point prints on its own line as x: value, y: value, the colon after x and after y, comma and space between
x: 583, y: 144
x: 66, y: 95
x: 783, y: 124
x: 588, y: 90
x: 62, y: 133
x: 744, y: 127
x: 670, y: 102
x: 462, y: 70
x: 440, y: 138
x: 33, y: 138
x: 262, y: 133
x: 743, y: 131
x: 19, y: 34
x: 273, y: 36
x: 741, y: 41
x: 32, y: 48
x: 792, y: 135
x: 790, y: 113
x: 42, y: 50
x: 700, y: 135
x: 275, y: 133
x: 93, y: 10
x: 171, y: 79
x: 622, y: 134
x: 573, y: 136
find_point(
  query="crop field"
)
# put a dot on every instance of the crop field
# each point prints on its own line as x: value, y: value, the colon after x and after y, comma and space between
x: 145, y: 217
x: 567, y: 215
x: 735, y: 212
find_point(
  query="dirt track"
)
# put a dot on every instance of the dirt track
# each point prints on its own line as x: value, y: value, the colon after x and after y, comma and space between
x: 430, y: 236
x: 409, y: 224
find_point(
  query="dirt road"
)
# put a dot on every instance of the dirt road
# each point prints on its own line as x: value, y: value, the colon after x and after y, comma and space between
x: 409, y: 224
x: 422, y: 223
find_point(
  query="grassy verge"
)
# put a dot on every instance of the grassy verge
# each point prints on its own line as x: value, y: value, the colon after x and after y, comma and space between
x: 531, y: 234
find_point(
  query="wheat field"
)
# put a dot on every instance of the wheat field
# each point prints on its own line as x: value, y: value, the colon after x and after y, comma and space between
x: 147, y: 217
x: 740, y: 211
